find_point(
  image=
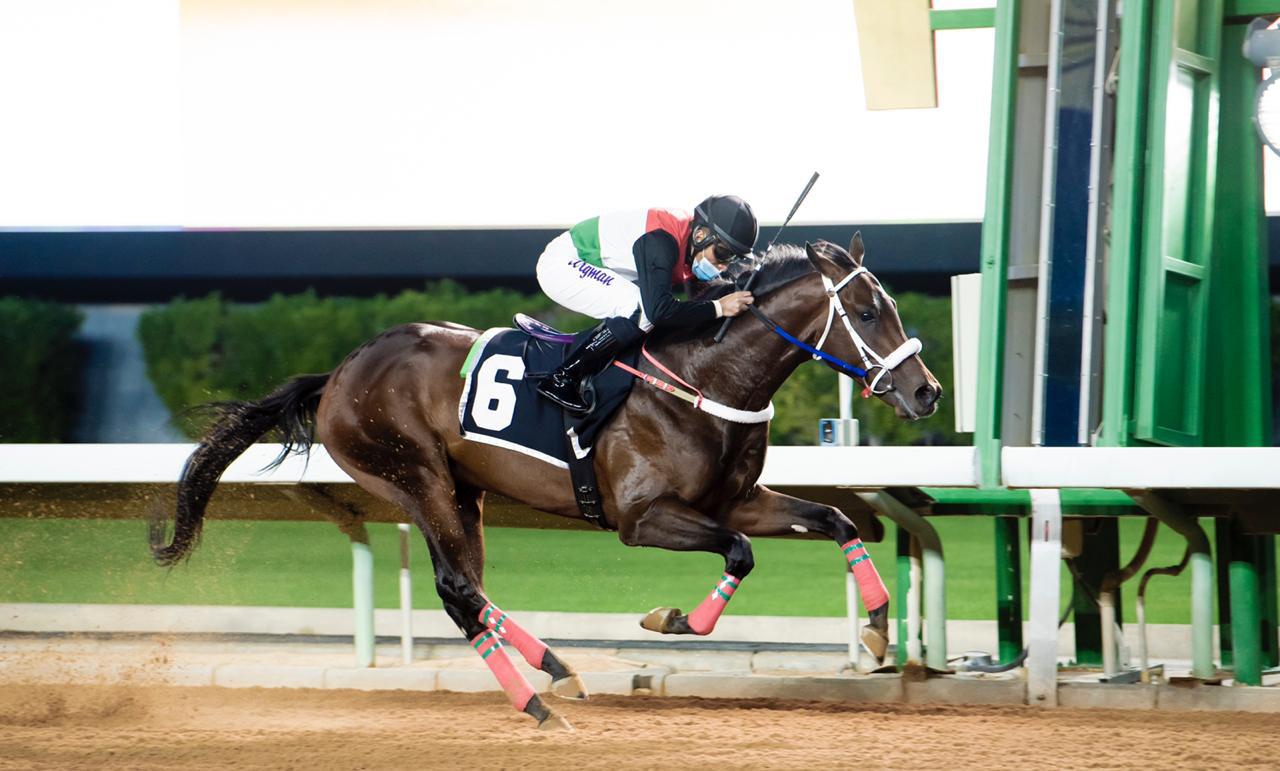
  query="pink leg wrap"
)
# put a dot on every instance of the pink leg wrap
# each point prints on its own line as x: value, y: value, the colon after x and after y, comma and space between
x: 530, y: 647
x: 490, y: 648
x: 870, y: 586
x: 704, y: 617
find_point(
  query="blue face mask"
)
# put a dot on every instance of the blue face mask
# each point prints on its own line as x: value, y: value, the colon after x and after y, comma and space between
x: 704, y: 270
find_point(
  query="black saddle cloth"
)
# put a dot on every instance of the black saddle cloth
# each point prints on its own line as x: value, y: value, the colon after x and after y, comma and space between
x: 500, y: 404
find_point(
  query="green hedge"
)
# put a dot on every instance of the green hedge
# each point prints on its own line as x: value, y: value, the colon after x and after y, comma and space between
x: 39, y: 369
x: 208, y: 349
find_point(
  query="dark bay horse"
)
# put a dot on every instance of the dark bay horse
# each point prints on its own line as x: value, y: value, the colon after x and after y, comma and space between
x: 670, y: 476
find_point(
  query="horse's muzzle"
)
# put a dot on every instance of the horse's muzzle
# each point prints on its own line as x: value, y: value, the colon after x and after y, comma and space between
x: 926, y: 397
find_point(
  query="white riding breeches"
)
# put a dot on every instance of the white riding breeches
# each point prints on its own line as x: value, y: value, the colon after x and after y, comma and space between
x: 589, y: 289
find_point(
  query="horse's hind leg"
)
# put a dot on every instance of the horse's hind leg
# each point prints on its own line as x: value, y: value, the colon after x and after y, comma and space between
x: 564, y: 681
x: 669, y: 524
x: 459, y: 588
x: 428, y: 495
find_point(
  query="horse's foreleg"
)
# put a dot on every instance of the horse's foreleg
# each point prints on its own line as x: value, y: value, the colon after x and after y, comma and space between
x: 769, y: 513
x: 669, y: 524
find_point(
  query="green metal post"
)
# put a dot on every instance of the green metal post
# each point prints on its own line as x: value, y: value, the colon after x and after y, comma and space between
x: 1246, y: 618
x: 904, y: 586
x: 1267, y: 590
x: 1238, y: 408
x: 1008, y: 588
x: 995, y: 243
x: 1126, y: 230
x: 1101, y: 555
x: 362, y: 594
x: 1222, y: 566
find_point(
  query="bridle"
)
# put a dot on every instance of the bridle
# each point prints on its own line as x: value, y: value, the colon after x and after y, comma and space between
x: 872, y: 362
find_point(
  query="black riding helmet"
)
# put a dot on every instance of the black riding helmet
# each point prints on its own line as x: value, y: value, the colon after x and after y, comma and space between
x: 730, y: 221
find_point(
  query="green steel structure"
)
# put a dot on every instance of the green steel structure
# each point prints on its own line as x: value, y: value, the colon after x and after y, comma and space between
x: 1185, y: 357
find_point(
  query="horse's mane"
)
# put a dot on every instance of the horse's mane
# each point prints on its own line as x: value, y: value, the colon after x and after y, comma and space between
x: 783, y: 264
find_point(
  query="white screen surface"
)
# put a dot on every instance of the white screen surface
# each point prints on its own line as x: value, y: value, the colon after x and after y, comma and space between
x: 467, y: 113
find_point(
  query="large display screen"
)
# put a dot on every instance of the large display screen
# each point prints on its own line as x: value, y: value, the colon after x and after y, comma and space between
x: 466, y: 113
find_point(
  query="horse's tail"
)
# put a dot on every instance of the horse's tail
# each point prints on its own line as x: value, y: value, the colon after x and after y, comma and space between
x: 290, y: 409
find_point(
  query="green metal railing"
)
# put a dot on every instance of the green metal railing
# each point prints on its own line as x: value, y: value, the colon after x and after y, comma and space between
x: 995, y: 243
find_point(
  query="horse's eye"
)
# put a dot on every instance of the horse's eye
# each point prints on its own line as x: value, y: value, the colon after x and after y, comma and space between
x: 867, y: 316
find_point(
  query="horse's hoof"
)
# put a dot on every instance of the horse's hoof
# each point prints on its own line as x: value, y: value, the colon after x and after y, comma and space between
x: 877, y: 642
x: 554, y: 722
x: 658, y: 619
x: 570, y: 687
x: 666, y: 621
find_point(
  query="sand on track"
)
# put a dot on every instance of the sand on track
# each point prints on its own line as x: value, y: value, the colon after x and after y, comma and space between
x: 153, y: 727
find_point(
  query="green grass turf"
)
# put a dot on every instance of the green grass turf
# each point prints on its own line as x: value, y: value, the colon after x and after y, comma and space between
x: 306, y: 564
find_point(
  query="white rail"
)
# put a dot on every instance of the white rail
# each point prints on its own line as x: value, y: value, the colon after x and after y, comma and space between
x: 870, y: 467
x: 857, y: 468
x: 1143, y: 468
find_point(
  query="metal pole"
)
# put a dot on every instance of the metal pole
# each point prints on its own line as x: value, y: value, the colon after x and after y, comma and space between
x: 1246, y: 618
x: 1268, y: 587
x: 915, y: 640
x: 935, y: 576
x: 1107, y: 616
x: 1201, y: 576
x: 1145, y: 673
x: 903, y: 563
x: 1046, y: 579
x: 995, y: 241
x: 362, y: 596
x: 851, y: 597
x: 851, y: 601
x: 406, y: 599
x: 845, y: 386
x: 1008, y: 588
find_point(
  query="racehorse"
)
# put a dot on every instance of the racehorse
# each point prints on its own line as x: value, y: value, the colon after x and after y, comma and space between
x: 669, y: 475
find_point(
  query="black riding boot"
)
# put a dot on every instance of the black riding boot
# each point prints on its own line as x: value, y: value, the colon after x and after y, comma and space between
x: 564, y: 385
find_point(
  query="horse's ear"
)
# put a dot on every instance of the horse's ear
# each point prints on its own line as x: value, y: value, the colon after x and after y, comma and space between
x: 823, y: 260
x: 856, y: 249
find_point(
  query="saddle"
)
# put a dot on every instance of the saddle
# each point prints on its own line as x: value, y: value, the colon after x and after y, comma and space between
x: 534, y: 328
x: 500, y: 404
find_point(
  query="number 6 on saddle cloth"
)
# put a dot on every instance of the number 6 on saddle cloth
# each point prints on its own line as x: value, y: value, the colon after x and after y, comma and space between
x: 500, y: 404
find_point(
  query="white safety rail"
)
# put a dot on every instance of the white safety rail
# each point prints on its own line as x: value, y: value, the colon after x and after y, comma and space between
x: 855, y: 467
x: 153, y: 464
x: 1143, y: 468
x: 1148, y: 474
x: 864, y: 470
x: 871, y: 467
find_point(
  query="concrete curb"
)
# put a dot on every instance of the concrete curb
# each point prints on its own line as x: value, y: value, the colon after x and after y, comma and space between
x: 793, y: 675
x: 1165, y: 641
x: 658, y: 680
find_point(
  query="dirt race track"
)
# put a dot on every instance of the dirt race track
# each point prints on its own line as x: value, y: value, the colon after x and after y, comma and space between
x: 135, y: 727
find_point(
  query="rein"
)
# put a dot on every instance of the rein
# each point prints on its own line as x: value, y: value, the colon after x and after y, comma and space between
x: 694, y: 396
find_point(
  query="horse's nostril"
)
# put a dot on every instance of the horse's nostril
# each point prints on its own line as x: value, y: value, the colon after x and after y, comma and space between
x: 927, y: 394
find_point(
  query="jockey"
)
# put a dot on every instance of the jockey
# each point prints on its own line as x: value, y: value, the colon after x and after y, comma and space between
x: 621, y: 268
